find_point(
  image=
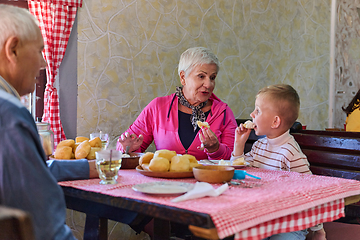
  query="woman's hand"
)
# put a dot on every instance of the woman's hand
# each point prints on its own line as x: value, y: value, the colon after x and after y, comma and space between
x: 209, y: 141
x: 131, y: 140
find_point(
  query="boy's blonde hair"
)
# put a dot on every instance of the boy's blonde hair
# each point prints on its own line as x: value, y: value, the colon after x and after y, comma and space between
x: 285, y: 99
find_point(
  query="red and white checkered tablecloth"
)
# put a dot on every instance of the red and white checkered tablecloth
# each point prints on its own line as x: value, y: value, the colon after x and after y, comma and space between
x: 279, y: 202
x: 294, y: 222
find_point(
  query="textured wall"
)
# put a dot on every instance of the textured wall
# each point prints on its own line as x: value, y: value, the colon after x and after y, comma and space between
x: 128, y: 53
x: 347, y: 56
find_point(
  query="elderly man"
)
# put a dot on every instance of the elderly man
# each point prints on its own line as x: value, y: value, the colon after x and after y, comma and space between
x: 26, y: 182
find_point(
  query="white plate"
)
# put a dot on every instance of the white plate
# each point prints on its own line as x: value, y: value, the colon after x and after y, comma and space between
x: 163, y: 187
x: 227, y: 163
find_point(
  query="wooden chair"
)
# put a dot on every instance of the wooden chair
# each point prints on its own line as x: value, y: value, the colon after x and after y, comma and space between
x: 15, y: 224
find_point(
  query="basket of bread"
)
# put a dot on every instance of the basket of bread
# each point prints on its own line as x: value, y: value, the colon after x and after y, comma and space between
x: 166, y: 164
x: 81, y: 147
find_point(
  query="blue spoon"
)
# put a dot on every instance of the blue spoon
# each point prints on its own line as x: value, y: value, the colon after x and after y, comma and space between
x: 241, y: 174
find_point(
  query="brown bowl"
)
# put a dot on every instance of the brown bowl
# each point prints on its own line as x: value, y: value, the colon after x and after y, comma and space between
x: 131, y: 162
x: 213, y: 173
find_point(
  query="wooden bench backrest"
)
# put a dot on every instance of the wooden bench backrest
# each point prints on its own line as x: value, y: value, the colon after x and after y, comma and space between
x: 334, y: 154
x: 329, y: 153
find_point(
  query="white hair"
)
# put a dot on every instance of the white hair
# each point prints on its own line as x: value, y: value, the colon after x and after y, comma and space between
x: 15, y: 21
x: 196, y: 56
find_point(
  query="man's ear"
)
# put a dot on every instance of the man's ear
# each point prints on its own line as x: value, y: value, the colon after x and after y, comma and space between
x: 11, y: 48
x: 182, y: 78
x: 276, y: 122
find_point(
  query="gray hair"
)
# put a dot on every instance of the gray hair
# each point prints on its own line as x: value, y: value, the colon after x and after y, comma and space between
x: 15, y: 21
x: 196, y: 56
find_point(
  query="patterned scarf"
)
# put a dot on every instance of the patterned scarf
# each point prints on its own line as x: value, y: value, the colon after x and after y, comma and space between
x: 197, y: 114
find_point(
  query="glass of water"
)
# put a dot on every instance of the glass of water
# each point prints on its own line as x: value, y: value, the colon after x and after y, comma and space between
x: 104, y: 137
x: 108, y: 163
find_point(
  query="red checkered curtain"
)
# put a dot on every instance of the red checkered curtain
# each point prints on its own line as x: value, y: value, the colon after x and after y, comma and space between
x: 56, y: 18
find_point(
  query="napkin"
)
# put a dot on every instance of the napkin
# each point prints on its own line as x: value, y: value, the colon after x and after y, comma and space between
x: 202, y: 189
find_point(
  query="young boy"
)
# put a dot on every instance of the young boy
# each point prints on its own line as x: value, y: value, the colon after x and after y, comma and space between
x: 276, y: 110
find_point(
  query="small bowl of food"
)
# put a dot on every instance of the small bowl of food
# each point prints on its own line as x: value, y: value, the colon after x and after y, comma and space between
x: 213, y: 173
x: 131, y: 162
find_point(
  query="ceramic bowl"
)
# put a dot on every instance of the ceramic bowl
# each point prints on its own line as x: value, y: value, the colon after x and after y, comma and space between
x: 131, y: 162
x: 213, y: 173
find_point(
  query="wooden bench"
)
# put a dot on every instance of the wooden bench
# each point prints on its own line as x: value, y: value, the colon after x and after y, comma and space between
x: 330, y: 153
x: 335, y: 154
x: 15, y: 224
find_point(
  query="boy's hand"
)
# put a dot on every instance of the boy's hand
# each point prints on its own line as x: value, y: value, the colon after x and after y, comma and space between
x: 241, y: 136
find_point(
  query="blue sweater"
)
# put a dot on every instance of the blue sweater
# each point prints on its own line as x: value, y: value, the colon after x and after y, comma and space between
x: 26, y: 182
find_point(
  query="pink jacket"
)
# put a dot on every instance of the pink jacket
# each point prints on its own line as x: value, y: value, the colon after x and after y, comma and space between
x: 159, y: 122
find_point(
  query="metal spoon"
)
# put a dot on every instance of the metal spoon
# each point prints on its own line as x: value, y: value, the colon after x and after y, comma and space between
x: 209, y: 161
x: 238, y: 184
x: 126, y: 154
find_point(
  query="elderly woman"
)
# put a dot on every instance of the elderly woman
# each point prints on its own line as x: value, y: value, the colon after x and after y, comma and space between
x: 171, y: 121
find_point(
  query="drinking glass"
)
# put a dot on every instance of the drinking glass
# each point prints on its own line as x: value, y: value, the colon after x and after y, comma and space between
x: 104, y: 137
x: 108, y: 163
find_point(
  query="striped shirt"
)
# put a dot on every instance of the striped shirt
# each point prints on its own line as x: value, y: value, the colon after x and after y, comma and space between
x: 281, y: 153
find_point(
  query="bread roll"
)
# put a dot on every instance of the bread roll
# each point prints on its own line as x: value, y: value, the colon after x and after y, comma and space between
x: 239, y: 161
x: 193, y: 161
x: 145, y: 166
x: 67, y: 142
x: 81, y: 139
x: 83, y: 150
x: 249, y: 124
x: 203, y: 124
x: 165, y: 154
x: 180, y: 164
x: 95, y: 142
x: 75, y: 146
x: 193, y: 164
x: 63, y: 152
x: 146, y: 158
x: 92, y: 152
x: 159, y: 164
x: 191, y: 158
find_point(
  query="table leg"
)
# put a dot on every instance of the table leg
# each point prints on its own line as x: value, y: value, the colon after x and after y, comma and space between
x: 91, y: 230
x: 95, y: 228
x: 161, y: 229
x: 103, y: 231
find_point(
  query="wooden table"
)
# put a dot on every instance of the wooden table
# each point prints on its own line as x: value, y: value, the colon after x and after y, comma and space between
x: 99, y: 207
x: 99, y: 204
